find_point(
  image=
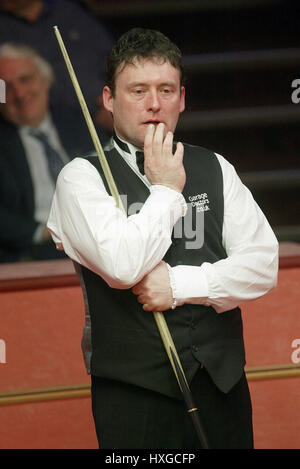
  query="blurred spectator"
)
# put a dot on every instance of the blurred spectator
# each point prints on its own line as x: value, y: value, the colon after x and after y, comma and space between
x: 35, y: 142
x: 87, y: 39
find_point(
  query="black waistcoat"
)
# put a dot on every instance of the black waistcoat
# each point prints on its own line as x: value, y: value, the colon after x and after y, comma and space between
x: 125, y: 342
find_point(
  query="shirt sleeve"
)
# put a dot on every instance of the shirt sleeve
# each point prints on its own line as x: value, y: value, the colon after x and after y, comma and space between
x: 85, y: 222
x: 251, y: 268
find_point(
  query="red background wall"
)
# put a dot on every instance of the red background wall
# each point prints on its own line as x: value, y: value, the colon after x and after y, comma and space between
x: 41, y: 320
x: 271, y: 324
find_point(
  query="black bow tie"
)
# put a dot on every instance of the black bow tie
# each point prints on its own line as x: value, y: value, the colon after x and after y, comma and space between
x: 140, y: 161
x: 139, y: 154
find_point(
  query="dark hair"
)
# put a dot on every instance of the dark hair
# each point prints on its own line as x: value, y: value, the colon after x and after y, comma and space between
x: 139, y: 43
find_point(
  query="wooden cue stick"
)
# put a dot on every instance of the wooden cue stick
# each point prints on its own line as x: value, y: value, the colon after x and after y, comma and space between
x: 159, y: 317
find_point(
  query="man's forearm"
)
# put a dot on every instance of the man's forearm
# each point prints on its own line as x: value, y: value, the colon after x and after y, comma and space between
x: 99, y: 236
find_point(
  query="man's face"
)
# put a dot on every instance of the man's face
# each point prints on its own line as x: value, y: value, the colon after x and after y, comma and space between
x: 27, y: 92
x: 15, y: 5
x: 147, y: 91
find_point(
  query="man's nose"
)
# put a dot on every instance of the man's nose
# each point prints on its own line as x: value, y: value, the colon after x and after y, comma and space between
x: 153, y: 103
x: 17, y: 91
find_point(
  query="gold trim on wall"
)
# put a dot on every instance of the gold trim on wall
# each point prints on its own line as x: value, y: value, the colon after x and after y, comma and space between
x: 44, y: 394
x: 83, y: 390
x: 260, y: 373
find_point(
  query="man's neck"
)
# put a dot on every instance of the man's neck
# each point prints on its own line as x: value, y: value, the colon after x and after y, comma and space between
x: 40, y: 123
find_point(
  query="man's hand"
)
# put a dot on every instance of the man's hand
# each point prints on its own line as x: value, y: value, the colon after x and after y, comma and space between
x: 46, y: 236
x: 154, y: 290
x: 161, y: 166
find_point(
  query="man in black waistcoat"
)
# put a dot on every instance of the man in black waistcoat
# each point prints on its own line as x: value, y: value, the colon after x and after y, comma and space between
x: 194, y: 245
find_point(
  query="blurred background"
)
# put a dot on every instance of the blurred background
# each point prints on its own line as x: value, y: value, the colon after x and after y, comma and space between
x: 242, y: 62
x: 241, y: 59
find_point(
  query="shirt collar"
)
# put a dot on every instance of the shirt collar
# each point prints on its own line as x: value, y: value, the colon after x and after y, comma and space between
x: 125, y: 146
x: 128, y: 152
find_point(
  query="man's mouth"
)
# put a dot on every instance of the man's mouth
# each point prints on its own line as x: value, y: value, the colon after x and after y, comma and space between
x: 155, y: 122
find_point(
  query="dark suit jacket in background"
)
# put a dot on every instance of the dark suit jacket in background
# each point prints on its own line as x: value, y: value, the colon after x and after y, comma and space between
x: 17, y: 224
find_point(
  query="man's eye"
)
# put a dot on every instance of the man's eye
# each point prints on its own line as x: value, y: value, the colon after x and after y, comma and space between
x: 165, y: 91
x: 26, y: 78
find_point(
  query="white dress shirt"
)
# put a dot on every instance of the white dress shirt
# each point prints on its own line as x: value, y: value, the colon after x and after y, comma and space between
x: 38, y: 167
x: 85, y: 222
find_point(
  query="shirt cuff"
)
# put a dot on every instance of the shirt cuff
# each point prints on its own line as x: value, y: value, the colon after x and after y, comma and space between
x: 189, y: 284
x: 170, y: 195
x: 173, y: 288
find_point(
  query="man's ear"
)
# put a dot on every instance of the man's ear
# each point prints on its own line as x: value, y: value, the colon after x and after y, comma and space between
x: 107, y: 99
x: 182, y: 99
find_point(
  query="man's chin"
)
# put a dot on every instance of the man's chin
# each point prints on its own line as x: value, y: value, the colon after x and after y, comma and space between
x: 138, y: 142
x: 29, y: 120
